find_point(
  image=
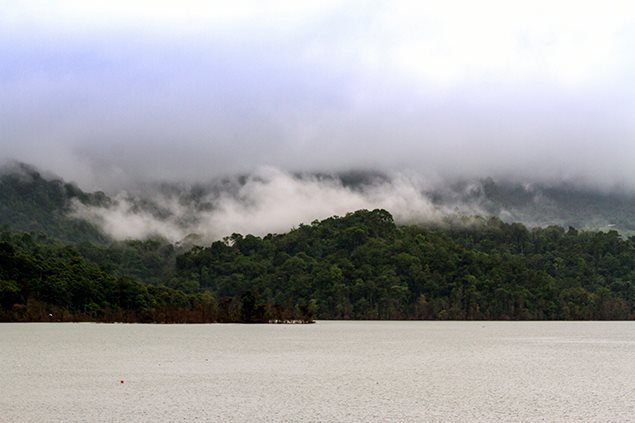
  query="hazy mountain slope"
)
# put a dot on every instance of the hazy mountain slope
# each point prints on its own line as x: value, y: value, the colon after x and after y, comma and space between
x: 32, y: 203
x: 541, y: 205
x: 276, y: 201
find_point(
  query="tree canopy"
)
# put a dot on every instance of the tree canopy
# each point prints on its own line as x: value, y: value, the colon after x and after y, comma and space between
x: 359, y: 266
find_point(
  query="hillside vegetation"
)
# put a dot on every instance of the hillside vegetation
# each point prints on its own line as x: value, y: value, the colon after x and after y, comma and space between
x: 360, y: 266
x: 30, y: 202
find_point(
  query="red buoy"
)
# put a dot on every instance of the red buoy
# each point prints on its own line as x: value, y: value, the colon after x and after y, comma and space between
x: 121, y: 381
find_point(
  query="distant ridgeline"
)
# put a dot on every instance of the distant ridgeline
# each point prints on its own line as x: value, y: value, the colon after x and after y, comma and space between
x: 31, y: 202
x: 542, y: 205
x: 361, y: 266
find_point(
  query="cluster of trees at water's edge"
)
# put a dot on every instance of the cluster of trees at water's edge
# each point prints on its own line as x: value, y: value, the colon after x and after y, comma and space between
x: 42, y: 280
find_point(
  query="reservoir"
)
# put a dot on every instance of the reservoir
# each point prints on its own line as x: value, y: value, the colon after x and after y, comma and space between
x: 331, y: 371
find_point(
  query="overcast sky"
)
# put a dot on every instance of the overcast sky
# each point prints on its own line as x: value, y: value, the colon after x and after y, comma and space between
x: 108, y: 92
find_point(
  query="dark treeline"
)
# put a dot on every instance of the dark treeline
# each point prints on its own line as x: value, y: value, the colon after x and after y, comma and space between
x: 41, y: 280
x: 44, y: 280
x: 361, y: 266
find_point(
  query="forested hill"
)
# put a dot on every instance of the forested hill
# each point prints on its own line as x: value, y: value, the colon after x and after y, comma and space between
x: 30, y: 202
x: 363, y: 266
x: 360, y: 266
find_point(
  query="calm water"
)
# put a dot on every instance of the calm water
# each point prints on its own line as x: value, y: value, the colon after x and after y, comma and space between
x: 327, y: 372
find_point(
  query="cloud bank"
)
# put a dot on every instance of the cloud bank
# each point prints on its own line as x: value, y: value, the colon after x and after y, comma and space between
x: 113, y: 93
x: 268, y: 201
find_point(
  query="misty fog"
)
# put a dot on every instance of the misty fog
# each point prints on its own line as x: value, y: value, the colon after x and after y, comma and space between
x: 267, y: 201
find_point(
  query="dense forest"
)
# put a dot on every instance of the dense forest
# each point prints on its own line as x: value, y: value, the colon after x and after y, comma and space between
x: 44, y: 280
x: 360, y: 266
x: 363, y: 266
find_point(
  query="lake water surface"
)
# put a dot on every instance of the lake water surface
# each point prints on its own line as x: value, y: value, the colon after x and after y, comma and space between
x: 326, y: 372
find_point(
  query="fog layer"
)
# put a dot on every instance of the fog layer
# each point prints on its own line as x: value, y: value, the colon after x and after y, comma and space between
x: 268, y: 201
